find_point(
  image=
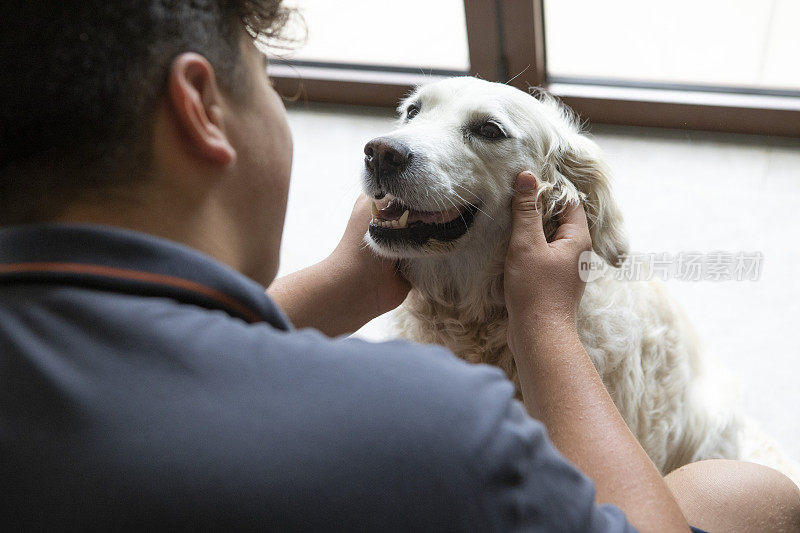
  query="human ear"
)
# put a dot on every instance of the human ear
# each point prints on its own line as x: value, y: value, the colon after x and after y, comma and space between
x: 196, y: 102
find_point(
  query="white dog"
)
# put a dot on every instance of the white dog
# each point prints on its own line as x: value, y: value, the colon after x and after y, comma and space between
x: 442, y: 184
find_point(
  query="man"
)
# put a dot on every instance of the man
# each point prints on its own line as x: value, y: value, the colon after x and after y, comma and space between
x: 148, y: 381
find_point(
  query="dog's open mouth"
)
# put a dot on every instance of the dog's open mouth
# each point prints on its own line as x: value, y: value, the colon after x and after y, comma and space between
x: 395, y: 222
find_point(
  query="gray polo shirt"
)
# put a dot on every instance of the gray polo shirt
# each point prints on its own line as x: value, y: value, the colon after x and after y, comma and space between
x: 145, y: 385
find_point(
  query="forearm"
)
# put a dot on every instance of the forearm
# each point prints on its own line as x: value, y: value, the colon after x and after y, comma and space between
x: 323, y: 296
x: 561, y: 387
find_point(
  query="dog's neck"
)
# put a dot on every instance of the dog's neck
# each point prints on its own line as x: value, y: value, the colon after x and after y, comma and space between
x: 457, y: 301
x: 467, y: 285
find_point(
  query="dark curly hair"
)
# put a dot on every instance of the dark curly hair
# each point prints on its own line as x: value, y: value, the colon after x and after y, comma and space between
x: 79, y: 78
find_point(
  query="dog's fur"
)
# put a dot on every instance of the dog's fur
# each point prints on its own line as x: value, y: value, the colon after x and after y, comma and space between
x: 637, y: 337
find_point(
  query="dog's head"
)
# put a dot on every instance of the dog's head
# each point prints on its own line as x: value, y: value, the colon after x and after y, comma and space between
x: 442, y: 180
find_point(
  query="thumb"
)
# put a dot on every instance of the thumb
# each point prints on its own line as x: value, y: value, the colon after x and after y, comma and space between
x: 526, y: 211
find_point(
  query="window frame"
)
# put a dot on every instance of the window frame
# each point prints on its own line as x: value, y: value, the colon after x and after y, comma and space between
x: 506, y: 43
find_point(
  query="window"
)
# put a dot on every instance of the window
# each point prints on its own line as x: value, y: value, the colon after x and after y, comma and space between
x: 724, y: 65
x: 379, y: 35
x: 736, y: 45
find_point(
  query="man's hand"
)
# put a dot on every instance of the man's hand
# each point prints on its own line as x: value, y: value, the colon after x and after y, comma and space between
x: 345, y: 290
x: 377, y: 278
x: 559, y: 384
x: 542, y: 284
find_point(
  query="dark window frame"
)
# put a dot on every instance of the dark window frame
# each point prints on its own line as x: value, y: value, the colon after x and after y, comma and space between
x: 506, y: 43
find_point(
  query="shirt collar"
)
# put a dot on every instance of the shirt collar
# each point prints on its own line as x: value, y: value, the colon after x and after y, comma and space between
x: 117, y: 259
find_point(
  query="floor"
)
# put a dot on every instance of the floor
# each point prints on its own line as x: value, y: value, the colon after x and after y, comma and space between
x: 680, y: 191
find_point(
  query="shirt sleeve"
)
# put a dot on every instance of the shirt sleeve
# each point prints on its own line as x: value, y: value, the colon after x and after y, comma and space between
x: 530, y: 485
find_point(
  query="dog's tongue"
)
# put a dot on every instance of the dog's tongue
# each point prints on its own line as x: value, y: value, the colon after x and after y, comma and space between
x: 393, y: 210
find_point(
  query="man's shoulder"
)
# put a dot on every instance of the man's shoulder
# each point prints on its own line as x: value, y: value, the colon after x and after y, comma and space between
x: 396, y: 380
x: 395, y: 360
x: 411, y: 379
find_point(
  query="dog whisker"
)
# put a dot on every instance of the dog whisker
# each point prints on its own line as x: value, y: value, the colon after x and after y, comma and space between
x: 520, y: 74
x: 466, y: 190
x: 438, y: 203
x: 474, y: 205
x: 460, y: 214
x: 470, y: 203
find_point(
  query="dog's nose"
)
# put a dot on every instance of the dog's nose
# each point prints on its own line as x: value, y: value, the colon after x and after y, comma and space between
x: 386, y: 157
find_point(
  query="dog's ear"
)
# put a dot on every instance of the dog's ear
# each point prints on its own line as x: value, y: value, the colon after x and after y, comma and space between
x: 575, y: 170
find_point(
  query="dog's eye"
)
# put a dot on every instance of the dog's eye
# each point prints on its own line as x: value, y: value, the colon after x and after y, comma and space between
x: 412, y: 111
x: 490, y: 130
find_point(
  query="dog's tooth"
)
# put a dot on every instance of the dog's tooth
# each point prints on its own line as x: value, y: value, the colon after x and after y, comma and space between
x: 374, y: 209
x: 403, y: 219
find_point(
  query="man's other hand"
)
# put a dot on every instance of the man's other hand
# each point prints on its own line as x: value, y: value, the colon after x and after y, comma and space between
x: 374, y: 278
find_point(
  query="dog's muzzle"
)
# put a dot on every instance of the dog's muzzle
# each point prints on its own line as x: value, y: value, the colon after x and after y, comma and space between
x: 396, y: 222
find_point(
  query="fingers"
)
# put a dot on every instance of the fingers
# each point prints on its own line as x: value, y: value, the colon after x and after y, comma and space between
x: 356, y: 225
x: 360, y: 215
x: 362, y: 204
x: 573, y: 224
x: 526, y: 213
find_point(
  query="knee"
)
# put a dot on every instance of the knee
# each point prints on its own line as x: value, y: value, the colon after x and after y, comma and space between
x: 783, y: 495
x: 788, y: 498
x: 728, y: 495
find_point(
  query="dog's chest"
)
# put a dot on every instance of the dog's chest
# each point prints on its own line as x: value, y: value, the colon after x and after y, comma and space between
x: 476, y: 341
x: 632, y: 336
x: 479, y: 335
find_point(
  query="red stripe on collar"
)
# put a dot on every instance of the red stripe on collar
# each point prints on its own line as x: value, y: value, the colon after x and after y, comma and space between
x: 135, y: 275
